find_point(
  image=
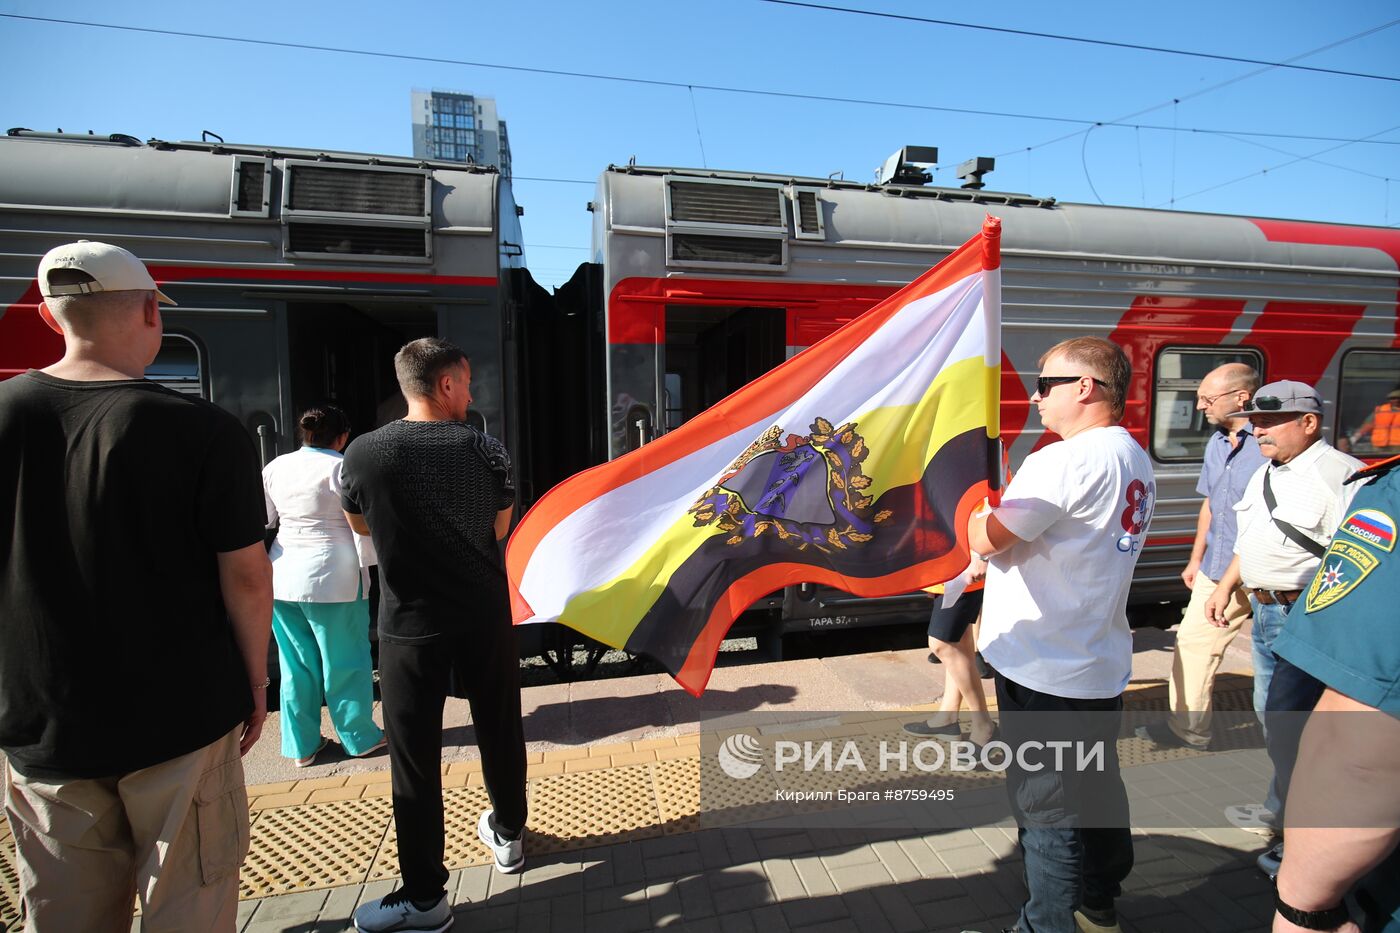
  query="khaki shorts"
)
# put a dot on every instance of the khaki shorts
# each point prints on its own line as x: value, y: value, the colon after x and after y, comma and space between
x: 173, y: 834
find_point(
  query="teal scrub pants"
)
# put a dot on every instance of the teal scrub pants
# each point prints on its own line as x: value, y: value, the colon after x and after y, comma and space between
x: 323, y: 649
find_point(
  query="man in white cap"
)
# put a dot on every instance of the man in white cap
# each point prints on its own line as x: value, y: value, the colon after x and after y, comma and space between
x: 1286, y: 518
x: 135, y: 605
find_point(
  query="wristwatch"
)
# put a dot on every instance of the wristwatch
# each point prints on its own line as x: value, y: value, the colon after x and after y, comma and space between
x: 1328, y: 919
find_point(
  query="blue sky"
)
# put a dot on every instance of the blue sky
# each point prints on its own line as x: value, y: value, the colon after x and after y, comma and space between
x: 82, y: 78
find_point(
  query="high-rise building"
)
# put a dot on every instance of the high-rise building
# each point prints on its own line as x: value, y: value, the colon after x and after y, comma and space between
x: 458, y: 127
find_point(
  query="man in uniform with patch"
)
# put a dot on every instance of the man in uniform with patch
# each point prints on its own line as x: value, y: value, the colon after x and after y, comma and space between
x: 1286, y: 519
x: 1346, y: 637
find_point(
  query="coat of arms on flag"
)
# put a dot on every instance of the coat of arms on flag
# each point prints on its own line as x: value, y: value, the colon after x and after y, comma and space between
x: 854, y: 464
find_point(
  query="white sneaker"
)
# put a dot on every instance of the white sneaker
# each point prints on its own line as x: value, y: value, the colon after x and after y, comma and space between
x: 1254, y: 818
x: 1270, y: 861
x: 395, y: 913
x: 509, y: 853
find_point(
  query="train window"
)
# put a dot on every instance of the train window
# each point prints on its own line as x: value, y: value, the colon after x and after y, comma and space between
x: 179, y: 365
x: 1368, y: 411
x: 1179, y: 431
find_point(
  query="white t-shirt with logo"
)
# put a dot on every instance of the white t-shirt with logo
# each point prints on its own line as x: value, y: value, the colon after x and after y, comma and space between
x: 1055, y: 612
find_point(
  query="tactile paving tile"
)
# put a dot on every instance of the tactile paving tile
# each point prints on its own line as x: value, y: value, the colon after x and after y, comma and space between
x: 461, y: 808
x: 677, y: 786
x: 725, y: 801
x: 1231, y: 733
x: 309, y: 847
x: 592, y: 808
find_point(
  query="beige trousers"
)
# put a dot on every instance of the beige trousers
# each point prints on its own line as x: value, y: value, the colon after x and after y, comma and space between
x: 1199, y: 648
x: 174, y: 833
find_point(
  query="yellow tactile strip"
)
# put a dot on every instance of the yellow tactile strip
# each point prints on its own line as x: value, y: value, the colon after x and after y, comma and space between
x: 333, y: 831
x: 306, y: 847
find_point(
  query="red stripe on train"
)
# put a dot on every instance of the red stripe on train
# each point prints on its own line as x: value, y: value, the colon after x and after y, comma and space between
x: 1297, y: 231
x: 177, y: 274
x: 26, y: 341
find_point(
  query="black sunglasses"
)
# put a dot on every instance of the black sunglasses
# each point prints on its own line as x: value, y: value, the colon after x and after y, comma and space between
x: 1043, y: 384
x: 1274, y: 402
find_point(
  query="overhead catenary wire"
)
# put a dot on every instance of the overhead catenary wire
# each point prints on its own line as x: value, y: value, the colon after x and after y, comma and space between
x: 1343, y: 168
x: 704, y: 163
x: 556, y: 181
x: 1274, y: 168
x: 683, y: 85
x: 1084, y: 161
x: 1005, y: 30
x: 1175, y: 102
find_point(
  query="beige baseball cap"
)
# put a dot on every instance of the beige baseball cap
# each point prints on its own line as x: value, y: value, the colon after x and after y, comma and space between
x: 112, y: 268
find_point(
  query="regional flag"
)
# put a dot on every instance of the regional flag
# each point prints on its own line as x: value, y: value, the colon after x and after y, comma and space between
x: 854, y: 464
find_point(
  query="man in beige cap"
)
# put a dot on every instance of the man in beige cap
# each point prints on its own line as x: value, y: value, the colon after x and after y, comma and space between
x: 135, y: 604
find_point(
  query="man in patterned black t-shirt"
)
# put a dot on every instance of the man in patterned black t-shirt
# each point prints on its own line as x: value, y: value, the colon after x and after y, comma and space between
x: 436, y: 495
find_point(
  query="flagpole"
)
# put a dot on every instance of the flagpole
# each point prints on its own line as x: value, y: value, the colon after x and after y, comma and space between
x: 991, y: 292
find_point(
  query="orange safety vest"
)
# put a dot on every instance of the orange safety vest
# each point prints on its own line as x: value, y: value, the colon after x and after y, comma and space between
x: 1385, y: 426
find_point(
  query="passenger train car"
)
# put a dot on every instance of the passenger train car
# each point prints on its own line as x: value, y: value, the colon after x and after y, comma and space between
x: 298, y: 274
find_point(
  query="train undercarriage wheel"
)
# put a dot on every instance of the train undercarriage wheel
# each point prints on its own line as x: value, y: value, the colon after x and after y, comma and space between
x: 571, y: 655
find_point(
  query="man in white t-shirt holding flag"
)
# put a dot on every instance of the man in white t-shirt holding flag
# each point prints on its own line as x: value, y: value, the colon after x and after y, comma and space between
x: 1062, y: 546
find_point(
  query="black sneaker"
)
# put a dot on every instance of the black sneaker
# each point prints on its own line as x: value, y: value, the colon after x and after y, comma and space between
x: 924, y: 729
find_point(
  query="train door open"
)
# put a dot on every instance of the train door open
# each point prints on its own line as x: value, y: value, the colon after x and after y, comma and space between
x: 344, y: 354
x: 711, y: 352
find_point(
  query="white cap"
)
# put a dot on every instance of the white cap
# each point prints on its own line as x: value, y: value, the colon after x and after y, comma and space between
x: 112, y: 268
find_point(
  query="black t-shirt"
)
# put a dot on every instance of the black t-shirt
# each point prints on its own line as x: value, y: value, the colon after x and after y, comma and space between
x: 430, y: 491
x: 115, y: 650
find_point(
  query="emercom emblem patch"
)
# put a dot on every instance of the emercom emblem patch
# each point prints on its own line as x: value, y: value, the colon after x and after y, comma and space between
x: 1345, y: 565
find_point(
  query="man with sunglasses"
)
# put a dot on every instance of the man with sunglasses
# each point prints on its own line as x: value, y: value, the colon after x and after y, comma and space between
x: 1231, y: 458
x: 1286, y: 519
x: 1062, y: 547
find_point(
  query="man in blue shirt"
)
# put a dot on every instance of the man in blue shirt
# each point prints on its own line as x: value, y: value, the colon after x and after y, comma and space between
x: 1343, y: 806
x: 1231, y: 457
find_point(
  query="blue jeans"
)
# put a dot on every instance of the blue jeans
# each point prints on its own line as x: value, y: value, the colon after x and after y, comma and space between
x: 1268, y: 622
x: 1074, y: 828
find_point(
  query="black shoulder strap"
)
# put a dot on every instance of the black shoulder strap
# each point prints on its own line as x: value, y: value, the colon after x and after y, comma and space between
x: 1298, y: 538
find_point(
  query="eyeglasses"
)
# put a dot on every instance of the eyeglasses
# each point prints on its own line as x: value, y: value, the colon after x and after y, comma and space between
x: 1209, y: 400
x: 1274, y: 403
x: 1043, y: 384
